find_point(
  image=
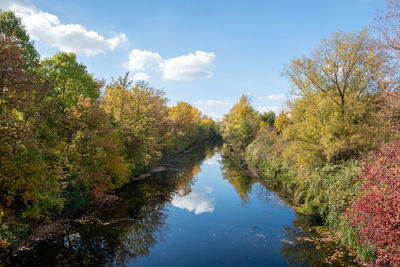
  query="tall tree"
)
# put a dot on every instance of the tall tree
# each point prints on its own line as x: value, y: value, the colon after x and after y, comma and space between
x: 346, y: 66
x: 333, y: 115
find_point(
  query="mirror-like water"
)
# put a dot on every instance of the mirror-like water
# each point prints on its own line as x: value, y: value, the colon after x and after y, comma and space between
x: 200, y: 212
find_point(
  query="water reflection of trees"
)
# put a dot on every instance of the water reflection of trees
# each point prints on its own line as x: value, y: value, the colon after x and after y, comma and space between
x: 130, y: 229
x: 302, y: 246
x: 234, y: 171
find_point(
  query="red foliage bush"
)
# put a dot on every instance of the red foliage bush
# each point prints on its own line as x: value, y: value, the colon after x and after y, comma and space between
x: 377, y: 211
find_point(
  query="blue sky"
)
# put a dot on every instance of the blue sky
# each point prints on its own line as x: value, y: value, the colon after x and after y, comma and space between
x: 242, y: 46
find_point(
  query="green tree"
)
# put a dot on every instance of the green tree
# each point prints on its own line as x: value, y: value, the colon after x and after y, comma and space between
x: 69, y: 80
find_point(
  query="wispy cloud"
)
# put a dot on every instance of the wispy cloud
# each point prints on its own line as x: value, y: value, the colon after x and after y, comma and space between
x: 263, y: 109
x: 47, y: 28
x: 186, y: 67
x: 276, y: 97
x: 212, y: 103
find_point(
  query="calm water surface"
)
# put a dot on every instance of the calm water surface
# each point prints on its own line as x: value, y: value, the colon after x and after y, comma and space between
x: 200, y: 212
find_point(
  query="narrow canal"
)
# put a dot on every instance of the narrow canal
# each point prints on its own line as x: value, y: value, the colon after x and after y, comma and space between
x: 198, y: 212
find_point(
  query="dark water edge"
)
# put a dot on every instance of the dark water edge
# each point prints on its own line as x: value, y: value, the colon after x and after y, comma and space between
x: 237, y: 222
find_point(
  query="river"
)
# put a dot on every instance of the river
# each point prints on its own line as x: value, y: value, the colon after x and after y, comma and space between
x: 199, y: 212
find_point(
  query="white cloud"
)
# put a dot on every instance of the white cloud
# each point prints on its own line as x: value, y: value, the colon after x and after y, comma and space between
x: 263, y: 109
x: 141, y: 76
x: 47, y: 28
x: 196, y: 201
x: 212, y: 102
x: 191, y: 66
x: 140, y: 60
x: 188, y: 67
x: 276, y: 97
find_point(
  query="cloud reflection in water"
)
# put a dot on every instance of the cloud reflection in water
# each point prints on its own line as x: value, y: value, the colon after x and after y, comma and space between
x: 213, y: 160
x: 196, y: 201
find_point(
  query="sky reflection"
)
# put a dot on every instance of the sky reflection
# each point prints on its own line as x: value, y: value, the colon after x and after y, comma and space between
x: 199, y: 200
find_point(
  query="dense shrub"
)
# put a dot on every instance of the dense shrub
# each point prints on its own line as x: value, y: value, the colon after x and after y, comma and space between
x: 377, y: 210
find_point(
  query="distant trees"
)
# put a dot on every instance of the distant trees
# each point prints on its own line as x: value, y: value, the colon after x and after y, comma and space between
x: 240, y: 125
x: 268, y: 117
x: 183, y: 121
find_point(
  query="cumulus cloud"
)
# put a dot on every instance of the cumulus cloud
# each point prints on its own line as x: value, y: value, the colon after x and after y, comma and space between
x: 141, y: 76
x: 191, y: 66
x: 47, y: 28
x: 140, y: 60
x: 188, y: 67
x: 196, y: 201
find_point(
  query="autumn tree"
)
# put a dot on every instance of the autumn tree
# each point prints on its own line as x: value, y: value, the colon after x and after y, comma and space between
x: 388, y: 25
x: 26, y: 180
x: 97, y: 149
x: 343, y: 69
x: 140, y: 112
x: 335, y: 93
x: 241, y: 124
x: 184, y: 121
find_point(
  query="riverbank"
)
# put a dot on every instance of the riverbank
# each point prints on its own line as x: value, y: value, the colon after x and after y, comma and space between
x: 201, y: 204
x: 324, y: 236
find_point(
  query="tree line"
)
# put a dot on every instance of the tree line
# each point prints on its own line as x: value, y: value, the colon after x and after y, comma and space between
x: 67, y: 138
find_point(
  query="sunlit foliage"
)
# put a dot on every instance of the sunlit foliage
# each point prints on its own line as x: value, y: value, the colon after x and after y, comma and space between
x: 140, y: 112
x: 240, y: 125
x: 334, y: 113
